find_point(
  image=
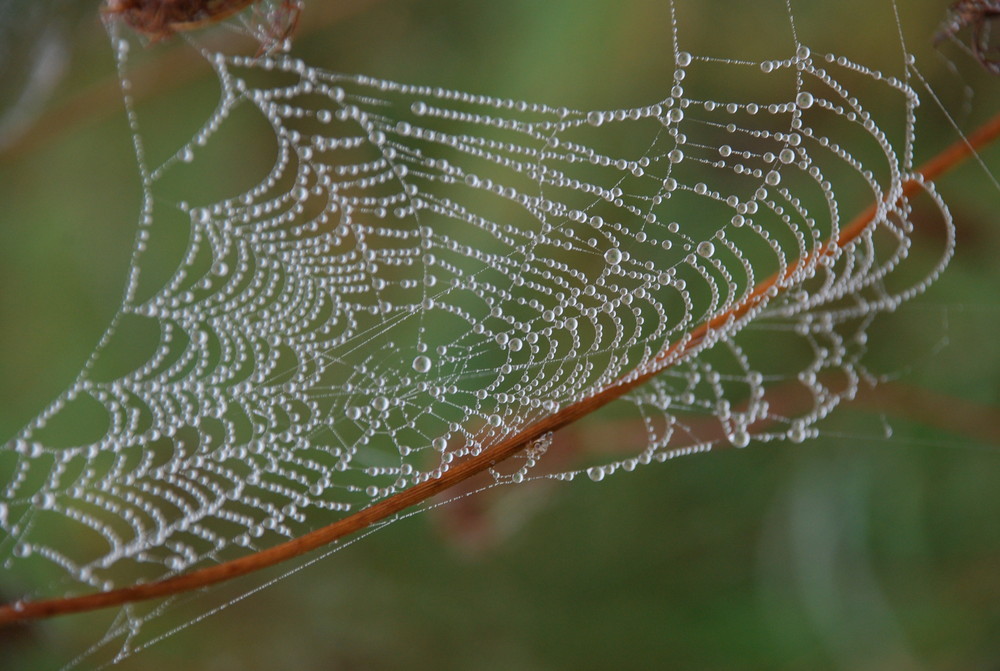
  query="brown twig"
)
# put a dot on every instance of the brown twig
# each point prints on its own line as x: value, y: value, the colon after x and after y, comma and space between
x: 974, y: 421
x: 470, y: 523
x: 174, y: 69
x: 423, y: 491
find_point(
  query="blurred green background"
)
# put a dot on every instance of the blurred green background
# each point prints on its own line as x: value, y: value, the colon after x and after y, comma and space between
x: 876, y: 546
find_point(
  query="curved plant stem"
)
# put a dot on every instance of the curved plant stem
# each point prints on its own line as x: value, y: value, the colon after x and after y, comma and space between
x: 418, y: 493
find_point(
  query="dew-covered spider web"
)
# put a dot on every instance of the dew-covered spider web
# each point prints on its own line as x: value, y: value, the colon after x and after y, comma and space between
x: 418, y: 273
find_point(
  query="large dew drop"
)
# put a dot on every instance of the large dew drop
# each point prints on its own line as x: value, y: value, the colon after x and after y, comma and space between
x: 422, y: 363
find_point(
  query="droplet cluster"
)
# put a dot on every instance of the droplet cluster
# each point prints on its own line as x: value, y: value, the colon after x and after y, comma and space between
x: 423, y: 272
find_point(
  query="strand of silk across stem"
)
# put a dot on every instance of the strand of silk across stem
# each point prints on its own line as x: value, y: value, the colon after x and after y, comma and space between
x: 418, y: 493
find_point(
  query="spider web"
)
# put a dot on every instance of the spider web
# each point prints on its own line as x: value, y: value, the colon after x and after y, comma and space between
x: 420, y: 273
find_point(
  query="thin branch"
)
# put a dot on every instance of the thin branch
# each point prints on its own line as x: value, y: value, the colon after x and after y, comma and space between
x: 386, y: 508
x: 471, y: 522
x: 962, y: 417
x: 158, y: 76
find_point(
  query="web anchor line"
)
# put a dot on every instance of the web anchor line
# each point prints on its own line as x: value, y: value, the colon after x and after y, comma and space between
x: 416, y: 494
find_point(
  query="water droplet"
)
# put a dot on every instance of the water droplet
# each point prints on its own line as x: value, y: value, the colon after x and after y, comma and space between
x: 613, y: 256
x: 706, y: 249
x: 797, y: 433
x: 804, y: 100
x: 422, y: 364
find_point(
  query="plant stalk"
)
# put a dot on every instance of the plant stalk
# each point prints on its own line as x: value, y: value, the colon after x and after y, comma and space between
x: 386, y: 508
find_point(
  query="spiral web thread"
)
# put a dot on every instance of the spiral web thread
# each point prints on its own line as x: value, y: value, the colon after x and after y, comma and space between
x: 423, y: 272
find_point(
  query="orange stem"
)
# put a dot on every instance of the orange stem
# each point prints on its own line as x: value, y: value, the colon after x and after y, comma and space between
x: 421, y: 492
